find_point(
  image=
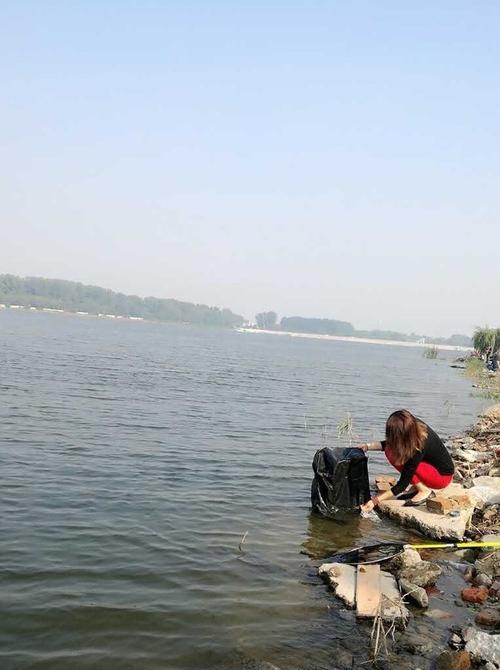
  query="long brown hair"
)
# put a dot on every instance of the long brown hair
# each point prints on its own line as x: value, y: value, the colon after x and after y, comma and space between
x: 404, y: 435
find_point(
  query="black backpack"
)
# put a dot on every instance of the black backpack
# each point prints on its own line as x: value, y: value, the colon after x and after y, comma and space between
x: 340, y: 480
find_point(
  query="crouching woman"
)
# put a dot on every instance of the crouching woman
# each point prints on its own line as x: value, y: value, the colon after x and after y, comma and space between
x: 418, y: 453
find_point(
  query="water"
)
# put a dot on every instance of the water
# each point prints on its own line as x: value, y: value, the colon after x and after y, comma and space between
x: 155, y: 490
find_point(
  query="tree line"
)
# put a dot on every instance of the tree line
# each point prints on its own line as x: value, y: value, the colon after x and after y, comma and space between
x: 299, y: 324
x: 73, y: 296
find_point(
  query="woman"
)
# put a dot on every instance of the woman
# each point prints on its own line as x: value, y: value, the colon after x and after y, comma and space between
x: 418, y: 453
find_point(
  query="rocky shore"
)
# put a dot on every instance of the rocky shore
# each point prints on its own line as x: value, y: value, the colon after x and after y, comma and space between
x: 464, y: 611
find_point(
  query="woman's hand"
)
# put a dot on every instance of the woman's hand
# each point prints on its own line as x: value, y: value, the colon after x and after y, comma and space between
x: 363, y: 447
x: 368, y: 506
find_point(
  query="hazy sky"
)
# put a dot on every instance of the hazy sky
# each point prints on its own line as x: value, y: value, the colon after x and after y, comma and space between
x: 334, y: 159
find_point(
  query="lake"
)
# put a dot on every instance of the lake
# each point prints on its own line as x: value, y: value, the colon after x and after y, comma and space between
x: 155, y: 490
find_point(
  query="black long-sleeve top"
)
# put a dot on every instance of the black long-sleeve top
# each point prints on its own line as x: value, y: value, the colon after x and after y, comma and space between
x: 433, y: 452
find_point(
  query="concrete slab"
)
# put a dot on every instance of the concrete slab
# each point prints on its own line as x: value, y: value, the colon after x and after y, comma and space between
x: 368, y: 592
x: 391, y: 606
x: 342, y: 579
x: 435, y: 526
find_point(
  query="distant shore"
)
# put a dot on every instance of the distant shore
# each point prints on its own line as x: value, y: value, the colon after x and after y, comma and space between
x: 360, y: 340
x: 52, y: 310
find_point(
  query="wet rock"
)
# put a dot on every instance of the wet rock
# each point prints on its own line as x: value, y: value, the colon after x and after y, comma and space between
x: 343, y: 659
x: 414, y: 593
x: 414, y: 643
x: 423, y: 574
x: 489, y: 666
x: 482, y: 646
x: 458, y: 603
x: 453, y: 660
x: 494, y: 472
x: 407, y: 559
x: 475, y: 594
x: 482, y: 580
x: 469, y: 573
x: 488, y: 617
x: 455, y: 641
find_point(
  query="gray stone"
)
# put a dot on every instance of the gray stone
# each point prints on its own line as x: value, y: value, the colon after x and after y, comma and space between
x: 414, y: 643
x: 482, y: 646
x: 342, y: 579
x: 489, y: 564
x: 482, y: 580
x: 407, y: 559
x: 455, y: 641
x: 487, y: 489
x: 415, y: 593
x: 423, y: 574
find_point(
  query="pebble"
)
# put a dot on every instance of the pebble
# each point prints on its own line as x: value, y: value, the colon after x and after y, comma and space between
x: 455, y: 640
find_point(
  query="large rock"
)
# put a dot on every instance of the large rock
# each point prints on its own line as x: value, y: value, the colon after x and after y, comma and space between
x: 482, y: 646
x: 423, y: 574
x: 407, y: 559
x: 415, y: 593
x: 486, y: 489
x: 438, y: 527
x: 342, y: 579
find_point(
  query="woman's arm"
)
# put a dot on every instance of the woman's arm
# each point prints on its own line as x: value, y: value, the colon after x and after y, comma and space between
x: 372, y: 446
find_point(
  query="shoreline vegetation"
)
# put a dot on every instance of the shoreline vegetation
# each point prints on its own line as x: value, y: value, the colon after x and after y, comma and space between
x: 61, y: 296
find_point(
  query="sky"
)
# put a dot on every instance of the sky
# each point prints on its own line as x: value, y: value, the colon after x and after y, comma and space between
x: 323, y: 159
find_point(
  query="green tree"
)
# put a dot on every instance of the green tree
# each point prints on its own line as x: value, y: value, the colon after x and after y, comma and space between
x: 484, y: 340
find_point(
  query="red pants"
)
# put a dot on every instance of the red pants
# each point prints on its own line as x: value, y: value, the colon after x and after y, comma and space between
x: 425, y: 473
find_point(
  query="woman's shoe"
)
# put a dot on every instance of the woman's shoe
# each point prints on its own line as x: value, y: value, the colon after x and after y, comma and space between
x: 408, y: 495
x: 417, y: 503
